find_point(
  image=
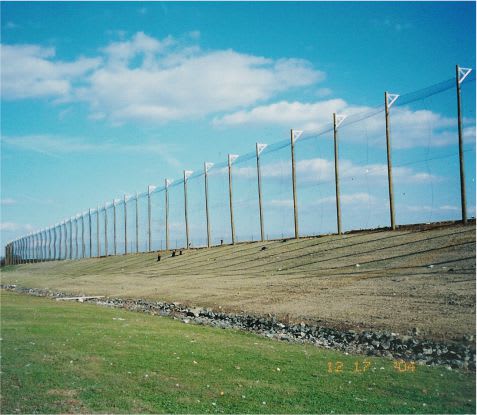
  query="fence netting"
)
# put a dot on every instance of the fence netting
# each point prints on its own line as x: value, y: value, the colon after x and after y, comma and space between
x: 315, y: 183
x: 158, y: 219
x: 176, y: 217
x: 218, y: 198
x: 275, y: 166
x: 423, y: 127
x: 196, y: 209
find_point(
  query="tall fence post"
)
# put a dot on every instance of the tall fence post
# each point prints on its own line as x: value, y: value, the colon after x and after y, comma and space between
x: 77, y: 256
x: 187, y: 174
x: 55, y: 241
x: 258, y: 149
x: 115, y: 246
x: 149, y: 235
x: 460, y: 75
x: 207, y: 167
x: 49, y: 243
x: 60, y: 241
x: 294, y: 134
x: 125, y: 226
x: 337, y: 120
x: 137, y: 225
x: 105, y: 231
x: 98, y: 242
x: 83, y: 246
x: 45, y: 249
x: 389, y: 100
x: 42, y: 257
x: 90, y: 225
x: 230, y: 159
x: 71, y: 238
x: 65, y: 224
x: 166, y: 195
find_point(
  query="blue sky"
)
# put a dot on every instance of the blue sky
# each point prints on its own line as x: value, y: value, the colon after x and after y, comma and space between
x: 102, y: 99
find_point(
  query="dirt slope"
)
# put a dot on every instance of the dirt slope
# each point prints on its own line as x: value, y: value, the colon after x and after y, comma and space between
x: 400, y: 280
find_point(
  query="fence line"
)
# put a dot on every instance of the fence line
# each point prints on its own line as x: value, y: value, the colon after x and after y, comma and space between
x: 56, y: 242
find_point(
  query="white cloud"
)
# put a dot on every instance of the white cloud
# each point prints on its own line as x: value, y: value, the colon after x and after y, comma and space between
x: 308, y: 116
x: 30, y: 71
x: 187, y: 83
x: 318, y: 170
x: 409, y: 128
x: 8, y: 201
x: 144, y: 78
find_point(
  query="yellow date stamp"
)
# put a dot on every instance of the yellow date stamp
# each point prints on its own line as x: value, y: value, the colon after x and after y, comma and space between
x: 362, y: 366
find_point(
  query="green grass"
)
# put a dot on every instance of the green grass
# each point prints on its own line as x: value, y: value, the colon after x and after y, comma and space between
x: 68, y: 357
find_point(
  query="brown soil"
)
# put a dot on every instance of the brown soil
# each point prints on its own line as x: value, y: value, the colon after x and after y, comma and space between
x: 397, y: 280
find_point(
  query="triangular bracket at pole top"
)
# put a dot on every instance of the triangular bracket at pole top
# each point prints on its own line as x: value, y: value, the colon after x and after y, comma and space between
x: 187, y: 174
x: 296, y: 134
x: 168, y: 182
x: 261, y: 147
x: 340, y: 119
x: 150, y: 188
x: 463, y: 73
x: 392, y: 99
x: 233, y: 157
x: 208, y: 166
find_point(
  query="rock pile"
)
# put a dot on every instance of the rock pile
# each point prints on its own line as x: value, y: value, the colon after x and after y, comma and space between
x: 374, y: 343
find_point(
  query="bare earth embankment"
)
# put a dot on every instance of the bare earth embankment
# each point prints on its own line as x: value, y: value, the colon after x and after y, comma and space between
x: 397, y: 280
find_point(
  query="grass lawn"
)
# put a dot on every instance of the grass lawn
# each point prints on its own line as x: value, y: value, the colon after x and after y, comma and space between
x: 62, y: 357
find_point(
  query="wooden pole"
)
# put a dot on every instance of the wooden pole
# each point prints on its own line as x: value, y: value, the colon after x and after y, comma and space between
x: 65, y: 223
x: 166, y: 194
x: 41, y: 246
x: 463, y: 202
x: 125, y: 227
x: 83, y: 247
x: 114, y: 228
x: 71, y: 238
x: 90, y: 235
x: 49, y: 243
x: 231, y: 205
x: 206, y: 182
x: 98, y: 247
x: 259, y: 183
x: 295, y: 206
x: 60, y: 241
x: 137, y: 226
x: 105, y: 232
x: 337, y: 176
x: 390, y: 168
x: 185, y: 210
x: 76, y: 239
x: 149, y: 235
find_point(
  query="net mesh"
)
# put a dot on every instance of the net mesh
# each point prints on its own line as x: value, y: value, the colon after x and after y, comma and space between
x: 277, y: 196
x: 177, y: 235
x: 245, y: 198
x: 218, y: 199
x: 158, y: 222
x: 315, y: 182
x: 196, y: 210
x: 426, y: 179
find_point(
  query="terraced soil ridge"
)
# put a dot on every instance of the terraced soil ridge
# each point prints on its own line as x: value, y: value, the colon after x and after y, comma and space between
x: 413, y: 280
